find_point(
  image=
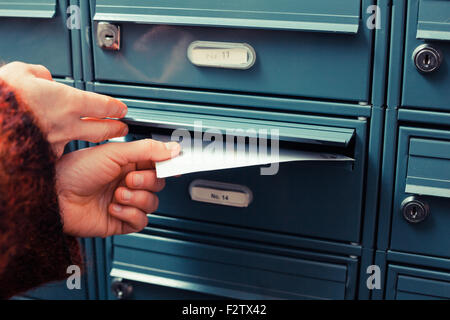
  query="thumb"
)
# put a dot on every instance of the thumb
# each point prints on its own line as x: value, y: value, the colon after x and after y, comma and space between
x: 141, y: 150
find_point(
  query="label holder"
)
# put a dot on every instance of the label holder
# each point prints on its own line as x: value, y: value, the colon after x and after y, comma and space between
x: 220, y: 193
x: 228, y: 55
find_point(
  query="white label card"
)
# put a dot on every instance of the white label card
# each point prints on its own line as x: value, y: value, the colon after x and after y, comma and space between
x: 219, y: 57
x: 223, y: 197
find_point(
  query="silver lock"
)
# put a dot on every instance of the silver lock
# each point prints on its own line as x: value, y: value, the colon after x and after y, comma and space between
x: 427, y: 58
x: 121, y: 289
x: 414, y: 209
x: 108, y: 36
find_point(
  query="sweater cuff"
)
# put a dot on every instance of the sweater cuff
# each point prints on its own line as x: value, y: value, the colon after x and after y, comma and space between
x: 33, y: 248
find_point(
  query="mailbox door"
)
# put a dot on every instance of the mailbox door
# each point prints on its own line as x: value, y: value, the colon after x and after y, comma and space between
x: 315, y: 199
x: 319, y: 49
x: 423, y: 170
x: 36, y: 32
x: 407, y: 283
x: 427, y: 24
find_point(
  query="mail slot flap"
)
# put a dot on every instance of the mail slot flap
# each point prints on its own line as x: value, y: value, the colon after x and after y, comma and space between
x: 224, y: 271
x: 319, y: 15
x: 304, y: 133
x: 429, y: 167
x: 28, y: 9
x: 427, y: 287
x: 433, y: 20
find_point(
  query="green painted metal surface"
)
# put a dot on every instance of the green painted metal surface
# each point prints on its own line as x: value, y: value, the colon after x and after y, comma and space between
x: 406, y: 283
x: 26, y: 9
x: 422, y: 169
x: 305, y: 63
x: 427, y: 90
x: 433, y: 21
x: 322, y: 15
x: 43, y: 41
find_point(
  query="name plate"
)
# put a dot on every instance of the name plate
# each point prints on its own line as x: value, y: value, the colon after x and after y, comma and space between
x: 221, y: 54
x: 221, y: 193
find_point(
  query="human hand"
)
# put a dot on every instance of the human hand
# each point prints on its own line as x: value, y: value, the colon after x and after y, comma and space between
x: 64, y: 113
x: 108, y: 189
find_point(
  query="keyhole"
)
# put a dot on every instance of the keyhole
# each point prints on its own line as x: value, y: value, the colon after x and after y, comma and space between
x: 426, y: 60
x: 109, y: 37
x: 414, y: 212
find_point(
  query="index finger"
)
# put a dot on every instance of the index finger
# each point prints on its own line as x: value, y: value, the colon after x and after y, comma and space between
x: 90, y: 104
x: 100, y: 106
x: 140, y: 151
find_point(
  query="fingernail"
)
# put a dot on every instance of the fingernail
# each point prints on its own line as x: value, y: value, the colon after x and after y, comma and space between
x: 116, y: 207
x: 126, y: 195
x: 124, y: 112
x: 173, y: 146
x: 125, y: 131
x: 138, y: 179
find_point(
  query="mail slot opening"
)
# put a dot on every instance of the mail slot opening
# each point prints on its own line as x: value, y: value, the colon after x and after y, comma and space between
x: 144, y: 130
x: 215, y: 149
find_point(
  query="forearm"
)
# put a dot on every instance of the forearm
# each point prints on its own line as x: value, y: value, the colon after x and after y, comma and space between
x: 33, y: 247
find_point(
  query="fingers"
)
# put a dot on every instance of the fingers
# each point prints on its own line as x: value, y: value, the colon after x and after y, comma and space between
x: 58, y: 149
x: 39, y: 71
x: 94, y: 130
x: 141, y: 199
x: 86, y: 104
x: 141, y: 150
x: 144, y: 180
x: 95, y: 105
x: 131, y: 206
x: 21, y: 69
x: 133, y: 219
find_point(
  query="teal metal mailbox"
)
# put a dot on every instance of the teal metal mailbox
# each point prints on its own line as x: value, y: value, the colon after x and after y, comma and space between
x: 221, y: 267
x: 36, y: 32
x: 427, y: 56
x: 322, y: 199
x: 407, y: 283
x: 318, y: 49
x: 423, y: 171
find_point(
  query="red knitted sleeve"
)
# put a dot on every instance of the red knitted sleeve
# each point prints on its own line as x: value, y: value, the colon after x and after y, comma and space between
x: 33, y: 248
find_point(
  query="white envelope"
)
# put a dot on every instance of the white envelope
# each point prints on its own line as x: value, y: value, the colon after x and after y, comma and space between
x: 205, y: 158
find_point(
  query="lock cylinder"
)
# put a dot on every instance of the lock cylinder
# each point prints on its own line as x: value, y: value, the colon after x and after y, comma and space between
x: 415, y: 210
x: 121, y: 289
x: 427, y: 58
x: 108, y: 36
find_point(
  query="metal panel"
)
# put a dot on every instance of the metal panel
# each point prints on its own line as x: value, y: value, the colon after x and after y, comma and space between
x: 397, y: 34
x: 331, y: 136
x: 224, y: 271
x: 419, y: 260
x: 255, y: 236
x: 257, y: 102
x: 295, y: 63
x: 427, y: 90
x: 27, y: 9
x: 308, y: 195
x: 38, y: 41
x: 413, y: 283
x: 429, y: 237
x: 429, y: 168
x: 433, y: 21
x: 320, y: 15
